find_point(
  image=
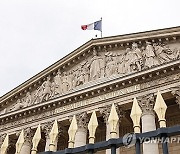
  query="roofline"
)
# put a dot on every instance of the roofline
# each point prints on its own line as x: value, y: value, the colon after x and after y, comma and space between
x: 165, y: 32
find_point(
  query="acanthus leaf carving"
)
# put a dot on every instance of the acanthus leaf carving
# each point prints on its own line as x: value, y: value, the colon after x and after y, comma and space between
x: 47, y: 128
x: 176, y: 92
x: 82, y: 120
x: 146, y: 103
x: 105, y: 111
x: 2, y: 137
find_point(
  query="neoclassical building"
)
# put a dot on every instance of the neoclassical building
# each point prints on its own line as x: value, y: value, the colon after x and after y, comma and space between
x: 91, y: 78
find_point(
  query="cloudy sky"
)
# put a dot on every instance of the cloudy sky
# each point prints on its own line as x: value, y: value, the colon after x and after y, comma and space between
x: 36, y: 33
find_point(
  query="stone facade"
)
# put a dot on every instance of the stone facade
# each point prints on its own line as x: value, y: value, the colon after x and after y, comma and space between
x: 99, y: 73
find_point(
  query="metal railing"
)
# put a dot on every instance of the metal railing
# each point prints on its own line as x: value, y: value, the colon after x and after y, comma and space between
x: 113, y: 144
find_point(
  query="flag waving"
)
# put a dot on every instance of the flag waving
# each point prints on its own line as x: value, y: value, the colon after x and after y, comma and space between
x: 93, y: 26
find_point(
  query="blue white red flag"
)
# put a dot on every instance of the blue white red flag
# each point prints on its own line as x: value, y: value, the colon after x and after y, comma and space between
x: 93, y: 26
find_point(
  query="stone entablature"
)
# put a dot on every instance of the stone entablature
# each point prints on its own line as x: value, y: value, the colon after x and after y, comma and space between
x: 111, y: 55
x: 53, y: 110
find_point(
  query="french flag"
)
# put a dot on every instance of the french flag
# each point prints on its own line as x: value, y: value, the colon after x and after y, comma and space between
x: 93, y: 26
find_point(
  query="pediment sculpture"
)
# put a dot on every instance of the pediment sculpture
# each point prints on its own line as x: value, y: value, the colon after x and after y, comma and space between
x: 100, y: 64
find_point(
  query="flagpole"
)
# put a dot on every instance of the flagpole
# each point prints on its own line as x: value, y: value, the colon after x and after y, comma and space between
x: 101, y: 27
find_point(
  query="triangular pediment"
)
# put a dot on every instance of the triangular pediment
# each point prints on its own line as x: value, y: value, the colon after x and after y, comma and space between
x: 98, y: 60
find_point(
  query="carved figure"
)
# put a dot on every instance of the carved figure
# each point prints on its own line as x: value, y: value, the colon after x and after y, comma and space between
x: 80, y: 76
x: 46, y: 86
x: 28, y: 99
x: 53, y: 89
x: 58, y: 82
x: 176, y: 53
x: 38, y: 94
x: 136, y: 62
x: 17, y: 106
x: 65, y: 83
x: 161, y: 53
x: 127, y: 60
x: 86, y: 72
x: 96, y: 66
x: 150, y: 57
x: 3, y: 111
x: 70, y: 80
x: 120, y: 60
x: 176, y: 92
x: 110, y: 67
x: 74, y: 78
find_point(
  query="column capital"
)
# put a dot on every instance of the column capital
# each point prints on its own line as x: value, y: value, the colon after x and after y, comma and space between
x: 28, y: 135
x: 82, y: 120
x: 47, y: 128
x: 2, y: 137
x: 175, y: 91
x: 105, y: 111
x: 146, y: 103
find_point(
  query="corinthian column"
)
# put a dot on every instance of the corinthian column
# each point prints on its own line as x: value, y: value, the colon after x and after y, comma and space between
x: 176, y: 92
x: 26, y: 148
x: 47, y: 129
x: 105, y: 111
x: 81, y: 134
x: 2, y: 137
x: 148, y: 122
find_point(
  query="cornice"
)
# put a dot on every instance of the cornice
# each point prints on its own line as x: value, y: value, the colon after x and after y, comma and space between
x: 95, y: 90
x: 76, y: 55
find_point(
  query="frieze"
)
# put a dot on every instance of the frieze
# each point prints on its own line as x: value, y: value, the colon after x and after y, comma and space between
x: 73, y: 106
x: 103, y: 63
x: 93, y: 100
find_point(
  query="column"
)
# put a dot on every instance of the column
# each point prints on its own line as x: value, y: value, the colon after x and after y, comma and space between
x: 2, y: 137
x: 47, y: 129
x: 148, y: 122
x: 81, y: 134
x: 26, y: 148
x: 175, y: 91
x: 105, y: 111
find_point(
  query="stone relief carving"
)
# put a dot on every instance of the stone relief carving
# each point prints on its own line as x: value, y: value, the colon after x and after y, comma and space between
x: 28, y: 99
x: 82, y: 120
x: 147, y: 103
x: 28, y: 135
x: 58, y: 83
x: 150, y: 58
x: 2, y: 137
x: 105, y: 111
x: 47, y: 128
x: 110, y: 64
x: 96, y: 66
x: 176, y: 92
x: 100, y: 64
x: 17, y: 105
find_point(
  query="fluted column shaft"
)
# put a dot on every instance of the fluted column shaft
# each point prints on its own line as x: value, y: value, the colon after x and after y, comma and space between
x: 81, y: 137
x: 47, y: 143
x: 148, y: 122
x: 26, y: 148
x: 81, y: 134
x: 105, y: 111
x: 47, y: 130
x: 108, y: 151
